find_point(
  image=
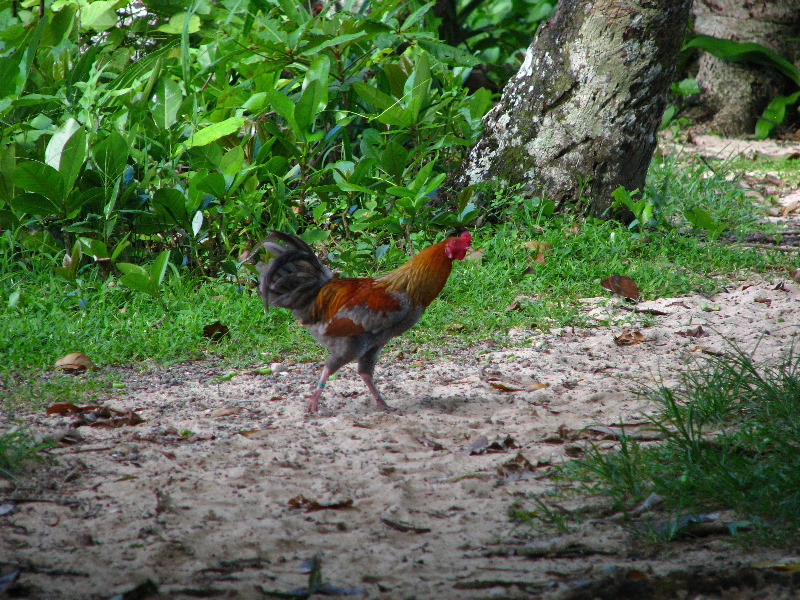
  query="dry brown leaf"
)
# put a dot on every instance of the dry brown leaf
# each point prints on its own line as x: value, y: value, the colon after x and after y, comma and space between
x: 215, y: 331
x: 483, y: 446
x: 707, y: 350
x: 475, y: 255
x: 428, y: 443
x: 622, y: 285
x: 540, y: 260
x: 790, y: 208
x: 75, y: 362
x: 794, y: 274
x: 308, y: 505
x: 403, y: 526
x: 499, y: 385
x: 761, y: 300
x: 629, y: 338
x: 694, y: 332
x: 225, y: 411
x: 537, y: 246
x: 516, y: 468
x: 538, y: 385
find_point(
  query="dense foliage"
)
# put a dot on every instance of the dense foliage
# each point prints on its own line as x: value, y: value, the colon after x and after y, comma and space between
x: 131, y: 129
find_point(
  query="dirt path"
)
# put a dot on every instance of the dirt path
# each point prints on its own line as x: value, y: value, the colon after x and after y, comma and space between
x: 227, y: 489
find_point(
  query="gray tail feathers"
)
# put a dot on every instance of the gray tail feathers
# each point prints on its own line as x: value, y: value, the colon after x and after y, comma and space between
x: 293, y: 276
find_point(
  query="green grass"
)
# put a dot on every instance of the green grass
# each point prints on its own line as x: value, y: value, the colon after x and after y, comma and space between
x: 18, y: 448
x: 730, y: 443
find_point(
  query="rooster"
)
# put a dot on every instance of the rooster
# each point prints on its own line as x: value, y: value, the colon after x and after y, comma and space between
x: 353, y: 318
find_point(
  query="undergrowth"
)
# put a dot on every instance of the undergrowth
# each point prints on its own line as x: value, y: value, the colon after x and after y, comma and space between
x: 730, y: 434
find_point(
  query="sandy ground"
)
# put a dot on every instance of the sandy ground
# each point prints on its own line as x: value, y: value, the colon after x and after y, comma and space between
x: 228, y: 489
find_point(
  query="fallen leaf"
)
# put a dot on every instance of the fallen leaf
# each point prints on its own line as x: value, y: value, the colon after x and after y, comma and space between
x: 694, y: 332
x: 538, y: 385
x: 629, y: 338
x: 482, y: 445
x: 707, y: 350
x: 537, y: 246
x: 766, y: 301
x: 622, y: 285
x: 404, y: 527
x: 516, y: 468
x: 75, y: 362
x: 646, y: 432
x: 789, y: 208
x: 225, y: 411
x: 215, y: 331
x: 454, y: 326
x: 433, y: 445
x: 308, y: 505
x: 475, y: 255
x: 61, y: 408
x: 540, y: 260
x: 789, y: 563
x: 794, y: 274
x: 499, y: 385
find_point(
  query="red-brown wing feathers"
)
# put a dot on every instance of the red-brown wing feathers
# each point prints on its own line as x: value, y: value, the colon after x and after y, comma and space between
x: 351, y: 306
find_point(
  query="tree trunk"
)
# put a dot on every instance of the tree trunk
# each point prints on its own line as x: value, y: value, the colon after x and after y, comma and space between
x: 735, y: 94
x: 579, y: 118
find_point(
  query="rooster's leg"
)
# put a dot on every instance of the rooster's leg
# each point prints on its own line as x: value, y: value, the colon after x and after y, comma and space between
x: 366, y: 367
x: 312, y: 405
x: 367, y: 379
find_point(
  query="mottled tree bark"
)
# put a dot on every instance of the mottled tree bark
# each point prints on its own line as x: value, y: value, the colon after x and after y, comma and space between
x: 734, y: 94
x: 579, y: 118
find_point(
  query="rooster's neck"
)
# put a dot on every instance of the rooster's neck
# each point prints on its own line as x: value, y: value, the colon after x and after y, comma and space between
x: 422, y: 277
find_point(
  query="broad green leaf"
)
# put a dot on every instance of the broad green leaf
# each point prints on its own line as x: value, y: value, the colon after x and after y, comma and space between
x: 416, y: 16
x: 374, y: 96
x: 309, y: 105
x: 138, y: 282
x: 744, y: 52
x: 212, y: 133
x: 55, y: 147
x: 35, y: 204
x: 111, y: 155
x: 448, y: 54
x: 416, y: 88
x: 132, y: 269
x: 168, y: 100
x: 11, y: 78
x: 214, y: 184
x: 159, y: 268
x: 397, y: 115
x: 256, y: 102
x: 394, y: 160
x: 338, y: 40
x: 40, y: 178
x: 233, y: 161
x: 99, y: 15
x: 72, y: 158
x: 774, y: 114
x: 8, y: 162
x: 285, y: 108
x: 173, y: 203
x: 197, y: 222
x: 177, y: 23
x: 94, y: 248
